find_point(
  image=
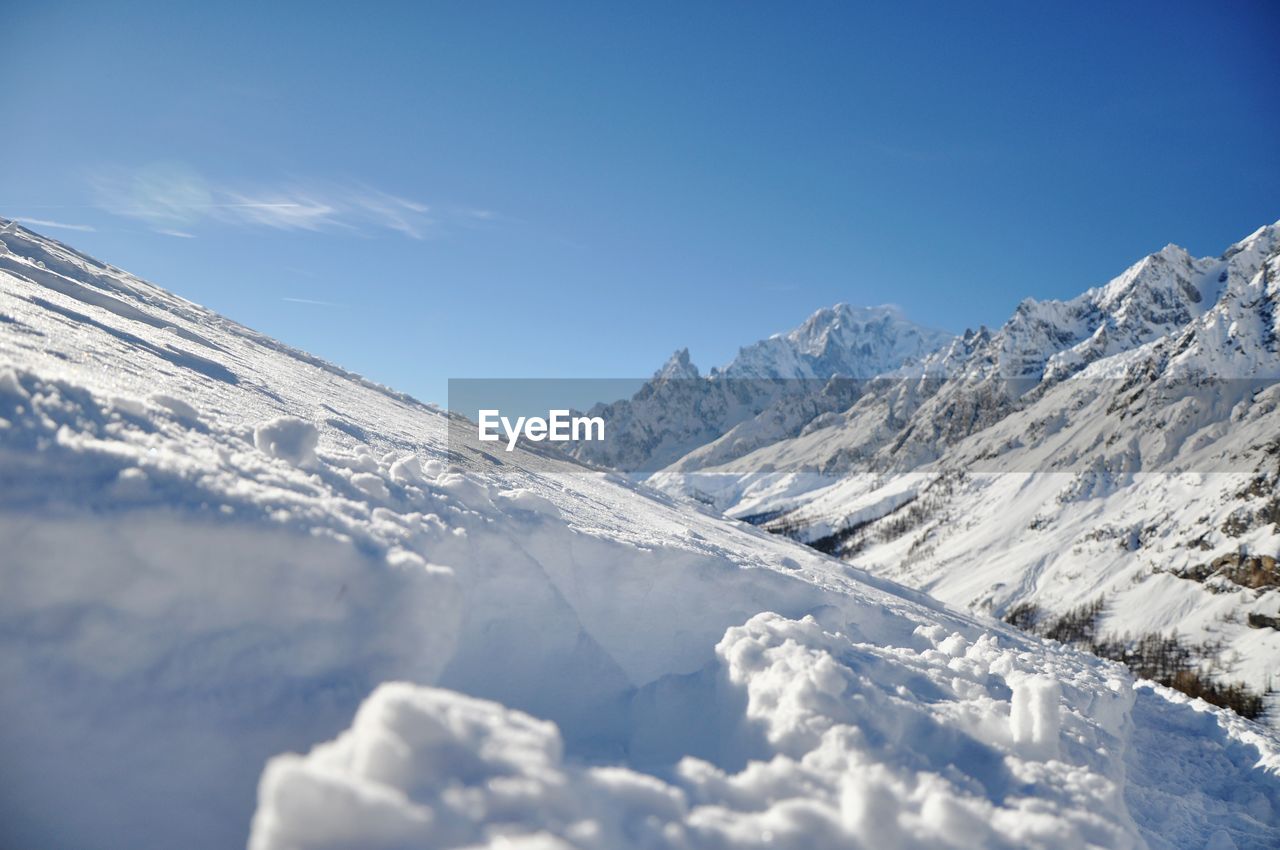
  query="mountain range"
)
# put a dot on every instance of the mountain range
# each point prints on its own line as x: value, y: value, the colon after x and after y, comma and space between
x: 679, y: 410
x: 1118, y: 451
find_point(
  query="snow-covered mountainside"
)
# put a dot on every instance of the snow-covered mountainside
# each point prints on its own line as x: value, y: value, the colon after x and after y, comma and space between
x: 856, y: 342
x: 679, y: 410
x: 1123, y: 446
x: 245, y: 595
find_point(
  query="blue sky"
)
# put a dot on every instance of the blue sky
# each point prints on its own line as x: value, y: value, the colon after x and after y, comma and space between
x: 440, y: 190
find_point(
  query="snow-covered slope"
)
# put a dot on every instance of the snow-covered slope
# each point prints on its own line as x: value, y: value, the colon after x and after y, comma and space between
x: 1121, y: 446
x: 216, y: 550
x: 760, y: 393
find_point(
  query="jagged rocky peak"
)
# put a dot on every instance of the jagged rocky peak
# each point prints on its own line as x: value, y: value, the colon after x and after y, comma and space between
x: 1259, y: 244
x: 677, y: 367
x: 1167, y: 292
x: 1053, y: 339
x: 1239, y: 335
x: 1163, y: 289
x: 831, y: 325
x: 954, y: 356
x: 856, y: 342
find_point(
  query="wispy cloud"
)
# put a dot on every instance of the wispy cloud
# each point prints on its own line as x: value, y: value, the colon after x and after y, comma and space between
x: 55, y: 225
x: 180, y: 234
x: 285, y: 210
x: 174, y: 199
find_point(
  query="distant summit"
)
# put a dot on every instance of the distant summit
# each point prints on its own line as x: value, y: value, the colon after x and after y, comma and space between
x: 677, y: 367
x: 854, y: 342
x: 678, y: 410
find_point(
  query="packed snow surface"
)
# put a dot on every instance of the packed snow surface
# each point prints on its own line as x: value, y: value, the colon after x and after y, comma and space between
x: 250, y: 597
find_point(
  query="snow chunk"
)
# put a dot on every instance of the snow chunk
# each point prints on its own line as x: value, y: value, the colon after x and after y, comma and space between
x: 371, y: 485
x: 407, y: 470
x: 466, y: 489
x: 404, y: 559
x: 419, y: 767
x: 524, y: 499
x: 955, y: 646
x: 9, y: 384
x: 410, y: 469
x: 288, y: 438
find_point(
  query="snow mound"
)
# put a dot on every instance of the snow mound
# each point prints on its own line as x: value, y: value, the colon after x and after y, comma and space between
x: 862, y: 745
x: 289, y: 438
x: 523, y: 499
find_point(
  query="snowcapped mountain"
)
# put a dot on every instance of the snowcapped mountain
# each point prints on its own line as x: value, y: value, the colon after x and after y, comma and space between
x: 679, y: 410
x: 911, y: 415
x: 853, y: 342
x: 247, y: 593
x: 1120, y: 446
